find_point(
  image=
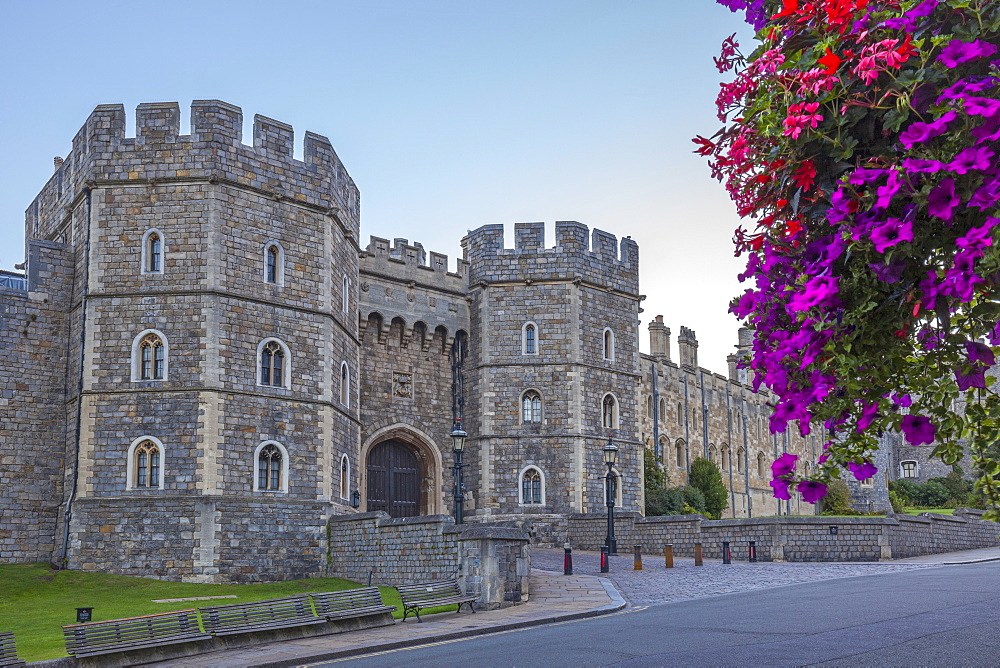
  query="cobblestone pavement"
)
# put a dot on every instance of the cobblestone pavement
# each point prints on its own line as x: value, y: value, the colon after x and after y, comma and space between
x: 657, y: 584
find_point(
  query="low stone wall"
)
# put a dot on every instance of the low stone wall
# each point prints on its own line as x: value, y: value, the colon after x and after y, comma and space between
x: 492, y: 562
x: 792, y: 538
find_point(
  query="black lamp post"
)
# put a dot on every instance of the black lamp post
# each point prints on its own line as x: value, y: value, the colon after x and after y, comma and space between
x: 610, y: 456
x: 458, y: 437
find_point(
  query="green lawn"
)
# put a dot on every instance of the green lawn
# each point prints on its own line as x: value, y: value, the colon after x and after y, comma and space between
x: 939, y: 511
x: 35, y: 601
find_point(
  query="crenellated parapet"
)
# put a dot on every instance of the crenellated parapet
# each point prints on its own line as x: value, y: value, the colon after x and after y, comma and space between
x: 405, y: 262
x: 213, y: 151
x: 579, y: 254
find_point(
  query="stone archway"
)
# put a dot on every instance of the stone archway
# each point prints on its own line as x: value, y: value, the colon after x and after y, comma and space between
x: 401, y: 472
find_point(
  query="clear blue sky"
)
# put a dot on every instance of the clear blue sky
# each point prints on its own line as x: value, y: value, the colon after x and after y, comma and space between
x: 448, y: 114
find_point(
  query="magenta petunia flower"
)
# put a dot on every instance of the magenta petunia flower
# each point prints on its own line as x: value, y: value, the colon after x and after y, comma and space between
x: 868, y: 414
x: 864, y: 470
x: 988, y: 131
x: 811, y: 491
x: 915, y: 165
x: 967, y: 377
x: 816, y: 291
x: 978, y: 238
x: 972, y: 158
x: 986, y: 196
x: 958, y: 52
x: 980, y: 353
x: 982, y: 106
x: 918, y: 429
x: 780, y: 488
x: 784, y: 465
x: 903, y: 400
x: 890, y: 233
x: 920, y: 132
x: 942, y: 200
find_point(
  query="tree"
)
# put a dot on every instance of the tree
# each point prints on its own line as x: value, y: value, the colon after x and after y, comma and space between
x: 861, y: 141
x: 707, y: 478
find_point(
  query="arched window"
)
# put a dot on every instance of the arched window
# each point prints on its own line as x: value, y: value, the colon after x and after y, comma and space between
x: 529, y: 339
x: 617, y: 483
x: 345, y: 476
x: 609, y: 344
x: 149, y: 356
x: 680, y: 414
x: 679, y: 452
x: 664, y: 445
x: 724, y: 457
x: 144, y: 466
x: 713, y: 454
x: 152, y: 252
x: 531, y: 407
x: 345, y: 295
x: 274, y: 263
x: 274, y: 363
x: 532, y: 488
x: 270, y: 468
x: 609, y: 412
x: 740, y: 454
x: 345, y: 385
x: 649, y: 406
x: 761, y: 465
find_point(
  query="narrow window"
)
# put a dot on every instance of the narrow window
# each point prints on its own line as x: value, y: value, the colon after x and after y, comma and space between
x: 345, y: 300
x: 680, y: 414
x: 531, y: 407
x: 272, y: 360
x: 272, y: 264
x: 740, y: 454
x: 345, y: 385
x: 154, y: 253
x: 531, y: 487
x: 609, y: 344
x: 152, y: 358
x: 609, y: 412
x: 529, y: 339
x: 679, y: 450
x: 761, y: 465
x: 649, y: 406
x: 344, y: 476
x: 147, y: 465
x: 269, y: 462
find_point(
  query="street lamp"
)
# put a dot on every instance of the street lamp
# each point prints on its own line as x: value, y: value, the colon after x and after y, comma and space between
x: 458, y: 437
x: 610, y: 456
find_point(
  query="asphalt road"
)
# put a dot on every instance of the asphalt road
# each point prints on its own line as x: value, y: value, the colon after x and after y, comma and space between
x: 930, y: 617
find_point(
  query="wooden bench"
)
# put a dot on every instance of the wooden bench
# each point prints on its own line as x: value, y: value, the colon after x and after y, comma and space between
x: 275, y: 613
x: 8, y: 651
x: 350, y: 603
x: 122, y: 635
x: 432, y: 594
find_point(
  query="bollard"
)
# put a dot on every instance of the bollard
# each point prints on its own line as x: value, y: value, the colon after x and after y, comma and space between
x: 604, y: 559
x: 697, y: 555
x: 727, y: 557
x: 637, y: 561
x: 568, y: 560
x: 753, y: 551
x: 668, y: 555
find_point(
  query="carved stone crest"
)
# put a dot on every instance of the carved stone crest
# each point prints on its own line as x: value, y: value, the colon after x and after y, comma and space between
x: 402, y: 385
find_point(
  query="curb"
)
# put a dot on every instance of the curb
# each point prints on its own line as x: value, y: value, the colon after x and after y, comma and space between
x: 617, y: 603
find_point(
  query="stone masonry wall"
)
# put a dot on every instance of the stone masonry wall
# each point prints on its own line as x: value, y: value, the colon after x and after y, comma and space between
x: 33, y: 359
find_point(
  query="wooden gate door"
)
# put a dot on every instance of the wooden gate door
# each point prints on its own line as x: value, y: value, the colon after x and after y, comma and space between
x: 394, y: 479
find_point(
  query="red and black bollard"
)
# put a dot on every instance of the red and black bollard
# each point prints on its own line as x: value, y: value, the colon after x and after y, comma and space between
x: 604, y: 559
x: 753, y: 551
x: 568, y: 560
x: 727, y: 556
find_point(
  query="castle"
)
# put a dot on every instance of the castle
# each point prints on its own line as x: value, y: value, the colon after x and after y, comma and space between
x: 202, y: 364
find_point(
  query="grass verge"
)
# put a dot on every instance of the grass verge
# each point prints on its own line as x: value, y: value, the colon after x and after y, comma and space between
x: 35, y: 601
x: 939, y: 511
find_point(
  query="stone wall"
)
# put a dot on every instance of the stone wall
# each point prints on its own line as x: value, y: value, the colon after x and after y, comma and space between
x: 793, y: 538
x: 492, y: 562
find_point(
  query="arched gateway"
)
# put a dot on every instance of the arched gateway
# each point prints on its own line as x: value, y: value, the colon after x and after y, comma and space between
x: 394, y: 479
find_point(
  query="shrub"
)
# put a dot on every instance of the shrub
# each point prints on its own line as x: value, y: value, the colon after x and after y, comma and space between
x: 838, y: 499
x: 932, y: 494
x: 706, y: 476
x: 898, y: 504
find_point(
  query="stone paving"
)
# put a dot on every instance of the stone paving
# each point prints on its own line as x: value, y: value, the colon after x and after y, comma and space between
x: 657, y: 584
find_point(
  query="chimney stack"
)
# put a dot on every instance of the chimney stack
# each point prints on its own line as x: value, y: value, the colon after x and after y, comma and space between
x: 659, y: 339
x: 687, y: 348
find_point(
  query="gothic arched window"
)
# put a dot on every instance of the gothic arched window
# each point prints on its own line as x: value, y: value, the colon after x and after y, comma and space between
x: 609, y: 412
x: 345, y: 476
x: 532, y: 487
x: 146, y: 465
x: 531, y: 407
x: 274, y: 263
x: 529, y: 339
x: 273, y: 364
x: 761, y: 465
x: 345, y: 385
x: 270, y: 468
x: 152, y: 358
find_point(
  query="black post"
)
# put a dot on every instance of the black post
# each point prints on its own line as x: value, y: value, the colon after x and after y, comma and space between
x: 568, y: 561
x: 610, y: 488
x: 604, y: 559
x: 726, y: 555
x: 459, y: 493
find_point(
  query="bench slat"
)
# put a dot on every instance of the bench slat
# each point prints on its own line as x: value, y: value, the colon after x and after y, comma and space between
x: 8, y: 650
x: 277, y: 613
x: 119, y: 635
x: 432, y: 594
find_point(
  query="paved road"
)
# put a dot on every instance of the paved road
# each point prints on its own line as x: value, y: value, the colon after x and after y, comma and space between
x: 928, y: 617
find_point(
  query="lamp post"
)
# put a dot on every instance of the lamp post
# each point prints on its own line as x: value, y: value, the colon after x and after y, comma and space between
x: 458, y: 437
x: 610, y: 456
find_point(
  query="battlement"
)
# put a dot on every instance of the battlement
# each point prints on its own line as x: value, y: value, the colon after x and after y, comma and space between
x: 408, y: 262
x: 214, y: 149
x: 594, y: 256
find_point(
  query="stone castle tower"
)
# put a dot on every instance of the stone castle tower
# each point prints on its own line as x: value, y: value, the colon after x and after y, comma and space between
x: 202, y: 365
